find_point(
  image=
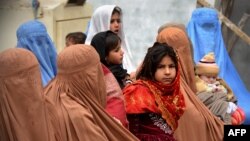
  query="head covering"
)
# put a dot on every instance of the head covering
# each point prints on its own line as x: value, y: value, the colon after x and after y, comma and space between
x: 78, y: 92
x: 176, y: 37
x: 207, y: 66
x: 32, y: 35
x: 204, y: 30
x: 100, y: 22
x: 22, y: 115
x: 99, y: 43
x: 196, y: 113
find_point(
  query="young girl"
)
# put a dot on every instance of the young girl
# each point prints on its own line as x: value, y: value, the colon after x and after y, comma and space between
x: 154, y: 102
x: 109, y: 17
x: 108, y: 46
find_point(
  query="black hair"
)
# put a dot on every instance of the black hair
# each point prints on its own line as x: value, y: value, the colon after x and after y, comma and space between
x: 77, y: 37
x: 152, y: 59
x: 117, y: 10
x: 111, y: 42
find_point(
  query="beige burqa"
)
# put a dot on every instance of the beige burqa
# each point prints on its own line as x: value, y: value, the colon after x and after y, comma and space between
x: 78, y: 92
x: 22, y: 108
x: 197, y: 122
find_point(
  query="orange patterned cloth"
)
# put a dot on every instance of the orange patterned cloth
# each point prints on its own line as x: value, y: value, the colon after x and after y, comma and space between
x: 145, y: 96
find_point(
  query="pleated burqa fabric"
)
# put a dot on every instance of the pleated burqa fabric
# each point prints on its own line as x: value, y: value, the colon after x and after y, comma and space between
x: 22, y: 107
x: 197, y: 123
x: 33, y: 36
x: 78, y: 92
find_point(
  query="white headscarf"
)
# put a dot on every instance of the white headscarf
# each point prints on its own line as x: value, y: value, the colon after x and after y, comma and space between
x: 100, y: 21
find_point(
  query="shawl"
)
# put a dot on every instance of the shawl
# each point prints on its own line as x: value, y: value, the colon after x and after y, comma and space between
x: 168, y: 98
x: 23, y: 116
x: 100, y: 22
x: 197, y: 123
x: 79, y: 101
x: 32, y: 35
x: 204, y: 30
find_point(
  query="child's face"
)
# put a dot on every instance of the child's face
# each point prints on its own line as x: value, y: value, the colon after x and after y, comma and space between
x: 115, y: 56
x: 208, y: 79
x: 166, y: 71
x: 115, y: 23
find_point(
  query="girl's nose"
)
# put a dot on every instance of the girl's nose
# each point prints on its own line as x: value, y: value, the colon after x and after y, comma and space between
x: 167, y: 71
x: 122, y: 52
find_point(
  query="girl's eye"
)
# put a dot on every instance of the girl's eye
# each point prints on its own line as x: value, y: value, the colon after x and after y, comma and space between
x: 117, y: 49
x: 118, y: 21
x: 160, y: 66
x: 172, y: 66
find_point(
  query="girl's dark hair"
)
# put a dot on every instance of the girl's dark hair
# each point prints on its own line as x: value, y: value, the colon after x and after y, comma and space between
x: 117, y: 10
x: 152, y: 59
x: 112, y: 40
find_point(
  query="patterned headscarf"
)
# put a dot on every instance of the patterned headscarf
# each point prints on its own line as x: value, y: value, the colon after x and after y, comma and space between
x: 169, y: 99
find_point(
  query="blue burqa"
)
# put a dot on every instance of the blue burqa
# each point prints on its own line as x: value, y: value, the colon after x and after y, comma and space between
x: 33, y: 36
x: 204, y: 30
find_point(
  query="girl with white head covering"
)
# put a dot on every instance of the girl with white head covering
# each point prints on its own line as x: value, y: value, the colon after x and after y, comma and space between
x: 109, y: 17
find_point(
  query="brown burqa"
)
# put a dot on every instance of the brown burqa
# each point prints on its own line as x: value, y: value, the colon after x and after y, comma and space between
x: 78, y: 92
x: 22, y: 108
x: 197, y: 122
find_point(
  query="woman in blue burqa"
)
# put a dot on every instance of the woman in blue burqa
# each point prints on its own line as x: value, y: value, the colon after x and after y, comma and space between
x: 204, y: 30
x: 33, y: 35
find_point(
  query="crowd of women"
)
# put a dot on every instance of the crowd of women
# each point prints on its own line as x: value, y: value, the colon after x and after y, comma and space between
x: 90, y: 92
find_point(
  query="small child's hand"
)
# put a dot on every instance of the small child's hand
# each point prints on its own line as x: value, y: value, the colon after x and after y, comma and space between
x: 132, y: 76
